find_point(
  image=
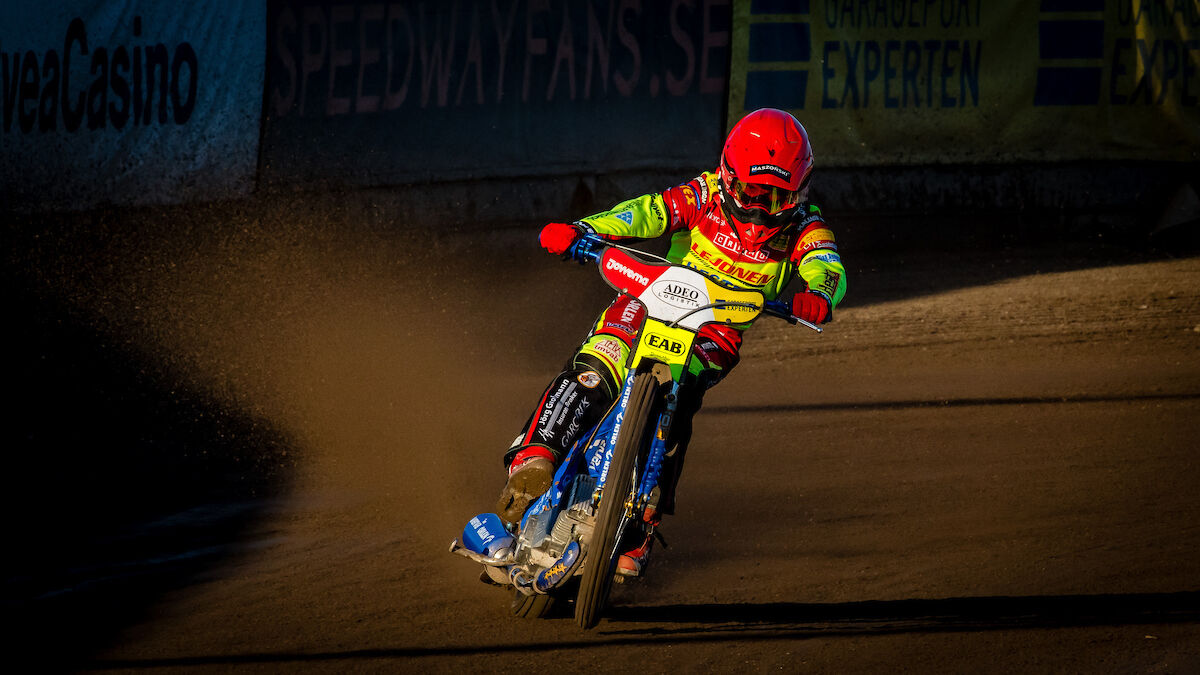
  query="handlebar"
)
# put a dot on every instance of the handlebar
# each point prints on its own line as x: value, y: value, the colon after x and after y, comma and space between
x: 590, y: 247
x: 587, y: 248
x: 780, y: 309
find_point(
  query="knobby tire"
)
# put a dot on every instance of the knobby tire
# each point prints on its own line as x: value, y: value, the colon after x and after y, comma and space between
x: 602, y: 556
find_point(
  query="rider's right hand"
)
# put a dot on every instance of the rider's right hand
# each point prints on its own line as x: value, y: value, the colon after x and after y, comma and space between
x: 812, y: 307
x: 558, y: 237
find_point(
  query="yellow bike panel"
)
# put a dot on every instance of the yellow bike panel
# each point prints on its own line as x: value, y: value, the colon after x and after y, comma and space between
x: 672, y: 346
x: 736, y: 314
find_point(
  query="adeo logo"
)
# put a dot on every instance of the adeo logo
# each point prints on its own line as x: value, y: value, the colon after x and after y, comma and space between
x: 677, y: 294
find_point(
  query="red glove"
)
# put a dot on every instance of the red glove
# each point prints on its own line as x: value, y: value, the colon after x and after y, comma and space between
x: 558, y: 237
x: 811, y: 307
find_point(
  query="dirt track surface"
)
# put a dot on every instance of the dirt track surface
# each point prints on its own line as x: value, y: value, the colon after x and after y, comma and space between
x: 987, y: 463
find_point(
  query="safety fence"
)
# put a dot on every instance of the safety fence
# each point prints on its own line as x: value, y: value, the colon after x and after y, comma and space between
x: 147, y: 101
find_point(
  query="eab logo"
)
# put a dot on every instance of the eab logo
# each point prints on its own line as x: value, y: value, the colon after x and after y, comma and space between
x: 664, y: 343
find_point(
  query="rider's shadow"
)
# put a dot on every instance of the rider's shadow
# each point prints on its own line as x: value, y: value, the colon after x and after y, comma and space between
x: 798, y: 620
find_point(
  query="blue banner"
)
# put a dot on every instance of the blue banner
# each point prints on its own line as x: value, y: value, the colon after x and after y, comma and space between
x: 379, y: 93
x: 129, y: 102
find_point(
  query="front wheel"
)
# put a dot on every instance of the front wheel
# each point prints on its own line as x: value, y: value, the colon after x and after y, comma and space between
x: 602, y: 554
x: 531, y: 606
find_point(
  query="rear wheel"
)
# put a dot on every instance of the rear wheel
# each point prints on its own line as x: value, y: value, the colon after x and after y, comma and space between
x: 602, y: 554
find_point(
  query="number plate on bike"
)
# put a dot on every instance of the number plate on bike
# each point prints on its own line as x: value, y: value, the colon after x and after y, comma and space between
x: 670, y: 345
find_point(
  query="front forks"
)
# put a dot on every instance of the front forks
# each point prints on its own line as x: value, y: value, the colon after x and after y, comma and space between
x: 658, y: 442
x: 658, y: 449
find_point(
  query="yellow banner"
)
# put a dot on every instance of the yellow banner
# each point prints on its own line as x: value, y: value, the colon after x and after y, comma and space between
x: 880, y: 82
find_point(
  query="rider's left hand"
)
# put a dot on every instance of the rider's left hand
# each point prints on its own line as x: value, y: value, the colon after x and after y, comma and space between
x: 812, y: 307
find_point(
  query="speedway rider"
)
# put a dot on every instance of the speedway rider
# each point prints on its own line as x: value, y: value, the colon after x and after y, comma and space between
x: 747, y: 225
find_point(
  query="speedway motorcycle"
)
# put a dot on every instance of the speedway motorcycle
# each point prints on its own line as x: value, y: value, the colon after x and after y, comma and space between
x: 568, y: 542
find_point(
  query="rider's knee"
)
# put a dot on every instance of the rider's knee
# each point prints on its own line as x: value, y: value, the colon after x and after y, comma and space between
x: 573, y: 403
x: 606, y: 357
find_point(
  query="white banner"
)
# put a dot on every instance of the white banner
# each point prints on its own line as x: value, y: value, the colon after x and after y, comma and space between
x: 129, y: 102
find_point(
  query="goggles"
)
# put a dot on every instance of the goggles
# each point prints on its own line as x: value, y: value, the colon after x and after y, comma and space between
x: 773, y: 200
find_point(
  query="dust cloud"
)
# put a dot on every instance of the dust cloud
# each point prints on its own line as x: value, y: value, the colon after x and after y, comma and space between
x: 400, y: 364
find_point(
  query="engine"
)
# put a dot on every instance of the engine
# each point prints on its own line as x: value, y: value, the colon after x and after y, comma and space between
x: 547, y: 533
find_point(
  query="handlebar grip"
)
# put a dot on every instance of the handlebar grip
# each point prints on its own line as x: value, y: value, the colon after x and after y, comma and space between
x: 586, y: 249
x: 780, y: 309
x: 783, y: 310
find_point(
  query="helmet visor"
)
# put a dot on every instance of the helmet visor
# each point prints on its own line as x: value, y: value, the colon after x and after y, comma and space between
x: 773, y: 200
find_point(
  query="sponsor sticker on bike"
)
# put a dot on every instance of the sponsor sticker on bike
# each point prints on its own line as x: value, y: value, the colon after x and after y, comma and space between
x: 626, y: 271
x: 590, y: 379
x: 598, y: 451
x: 738, y: 306
x: 677, y: 293
x: 664, y: 343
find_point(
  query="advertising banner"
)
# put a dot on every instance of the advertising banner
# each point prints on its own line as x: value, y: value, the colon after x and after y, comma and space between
x: 881, y: 82
x: 129, y: 102
x: 400, y: 92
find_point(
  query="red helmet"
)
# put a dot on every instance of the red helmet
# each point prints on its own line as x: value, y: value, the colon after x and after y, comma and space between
x: 764, y: 171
